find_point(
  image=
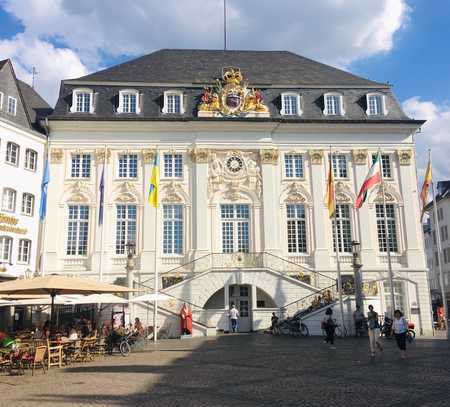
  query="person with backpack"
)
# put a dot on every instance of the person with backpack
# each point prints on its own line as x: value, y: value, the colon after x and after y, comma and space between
x: 374, y: 331
x: 329, y: 327
x: 400, y: 329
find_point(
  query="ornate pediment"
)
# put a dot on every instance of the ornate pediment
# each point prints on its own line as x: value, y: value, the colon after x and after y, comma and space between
x: 127, y: 192
x: 296, y: 193
x: 172, y: 192
x: 232, y: 97
x: 79, y: 191
x: 390, y: 194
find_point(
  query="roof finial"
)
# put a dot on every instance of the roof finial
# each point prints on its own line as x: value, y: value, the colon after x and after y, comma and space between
x: 224, y: 25
x: 34, y: 74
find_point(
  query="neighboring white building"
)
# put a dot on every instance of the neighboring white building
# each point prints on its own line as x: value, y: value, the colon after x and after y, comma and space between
x: 243, y: 182
x: 22, y: 156
x: 431, y: 247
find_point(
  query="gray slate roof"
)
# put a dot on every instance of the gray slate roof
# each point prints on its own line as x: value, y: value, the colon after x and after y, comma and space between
x: 274, y: 72
x: 37, y: 108
x: 202, y: 66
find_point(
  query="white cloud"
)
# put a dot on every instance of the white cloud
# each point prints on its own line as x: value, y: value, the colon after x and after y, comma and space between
x: 334, y: 31
x: 52, y: 64
x: 435, y: 135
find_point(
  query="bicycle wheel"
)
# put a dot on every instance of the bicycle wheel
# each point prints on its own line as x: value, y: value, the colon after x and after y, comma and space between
x: 304, y: 331
x: 125, y: 348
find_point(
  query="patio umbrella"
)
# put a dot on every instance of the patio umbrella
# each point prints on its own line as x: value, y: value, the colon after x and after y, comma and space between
x: 55, y: 284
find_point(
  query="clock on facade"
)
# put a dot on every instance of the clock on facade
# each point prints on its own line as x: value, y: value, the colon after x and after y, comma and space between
x: 234, y: 164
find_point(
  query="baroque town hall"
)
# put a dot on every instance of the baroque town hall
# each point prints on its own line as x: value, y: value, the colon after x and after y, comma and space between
x: 243, y: 140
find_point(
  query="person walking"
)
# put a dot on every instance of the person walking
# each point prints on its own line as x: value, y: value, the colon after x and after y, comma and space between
x: 234, y: 316
x: 400, y: 329
x: 358, y: 320
x: 374, y: 331
x: 329, y: 326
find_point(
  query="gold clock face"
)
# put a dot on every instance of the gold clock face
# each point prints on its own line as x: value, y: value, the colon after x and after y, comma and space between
x: 234, y: 164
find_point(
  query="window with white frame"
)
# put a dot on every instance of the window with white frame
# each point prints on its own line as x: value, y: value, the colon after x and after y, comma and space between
x: 293, y: 165
x: 173, y: 165
x: 82, y: 101
x: 173, y: 229
x: 235, y: 228
x: 173, y: 102
x: 339, y: 165
x: 128, y: 101
x: 343, y: 231
x: 12, y: 153
x: 12, y: 106
x: 31, y: 159
x: 381, y: 228
x: 125, y: 226
x: 128, y: 165
x: 77, y: 230
x: 296, y: 228
x: 80, y: 166
x: 290, y: 104
x: 27, y: 204
x: 24, y: 253
x: 386, y: 168
x: 9, y: 199
x: 376, y: 104
x: 333, y: 104
x: 1, y: 100
x: 5, y: 248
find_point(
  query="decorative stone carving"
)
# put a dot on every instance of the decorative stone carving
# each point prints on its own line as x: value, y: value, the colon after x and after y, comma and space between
x: 100, y: 155
x: 316, y: 156
x: 170, y: 192
x: 199, y: 155
x: 295, y: 193
x: 343, y: 192
x: 127, y: 192
x: 56, y: 155
x: 360, y: 156
x: 404, y: 156
x: 148, y: 155
x: 269, y: 156
x: 389, y: 194
x: 79, y: 192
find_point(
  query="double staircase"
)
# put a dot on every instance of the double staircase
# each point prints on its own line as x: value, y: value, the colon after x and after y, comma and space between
x: 194, y: 282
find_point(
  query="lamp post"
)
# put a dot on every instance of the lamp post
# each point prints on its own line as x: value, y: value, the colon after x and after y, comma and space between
x: 356, y: 264
x: 28, y: 273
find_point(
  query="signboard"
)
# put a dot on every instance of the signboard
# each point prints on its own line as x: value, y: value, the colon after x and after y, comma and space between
x: 9, y: 224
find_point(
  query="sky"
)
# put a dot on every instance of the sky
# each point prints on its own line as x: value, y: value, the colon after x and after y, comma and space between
x: 403, y: 42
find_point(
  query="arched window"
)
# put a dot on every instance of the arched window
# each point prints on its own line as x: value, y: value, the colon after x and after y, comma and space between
x: 9, y: 200
x: 27, y: 204
x: 12, y: 153
x: 31, y: 159
x: 77, y: 230
x: 296, y: 228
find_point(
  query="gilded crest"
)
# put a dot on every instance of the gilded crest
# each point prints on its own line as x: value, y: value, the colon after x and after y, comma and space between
x: 232, y: 97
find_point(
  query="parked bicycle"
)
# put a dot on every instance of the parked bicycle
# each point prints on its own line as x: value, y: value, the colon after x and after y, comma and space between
x: 120, y: 343
x: 292, y: 326
x: 338, y: 330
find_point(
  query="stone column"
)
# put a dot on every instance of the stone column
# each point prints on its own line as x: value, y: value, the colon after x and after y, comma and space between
x: 270, y: 206
x: 361, y: 162
x: 199, y: 192
x: 319, y: 211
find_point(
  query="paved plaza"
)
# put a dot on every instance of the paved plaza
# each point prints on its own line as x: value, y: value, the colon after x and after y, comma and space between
x: 245, y: 370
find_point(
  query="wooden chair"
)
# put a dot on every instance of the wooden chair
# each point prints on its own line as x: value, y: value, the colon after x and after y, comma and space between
x: 5, y: 362
x: 54, y: 355
x: 39, y: 358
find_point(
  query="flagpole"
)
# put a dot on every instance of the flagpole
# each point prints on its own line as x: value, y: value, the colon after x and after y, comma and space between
x: 439, y: 247
x: 336, y: 237
x: 100, y: 272
x: 386, y: 236
x: 155, y: 267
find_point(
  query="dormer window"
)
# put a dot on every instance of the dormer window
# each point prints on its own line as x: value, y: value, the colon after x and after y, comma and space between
x: 82, y: 101
x: 12, y: 106
x: 334, y: 104
x: 128, y: 101
x: 173, y: 102
x: 376, y: 104
x: 290, y: 104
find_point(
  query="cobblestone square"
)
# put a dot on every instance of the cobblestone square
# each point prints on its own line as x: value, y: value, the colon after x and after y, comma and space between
x: 245, y: 370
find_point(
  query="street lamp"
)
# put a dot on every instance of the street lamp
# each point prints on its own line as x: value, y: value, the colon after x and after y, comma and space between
x: 356, y: 264
x: 28, y: 273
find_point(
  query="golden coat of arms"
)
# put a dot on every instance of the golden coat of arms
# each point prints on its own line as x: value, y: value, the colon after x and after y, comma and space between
x: 232, y: 97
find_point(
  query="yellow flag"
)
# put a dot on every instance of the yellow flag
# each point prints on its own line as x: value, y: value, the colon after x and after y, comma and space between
x: 426, y: 187
x: 330, y: 192
x: 154, y: 183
